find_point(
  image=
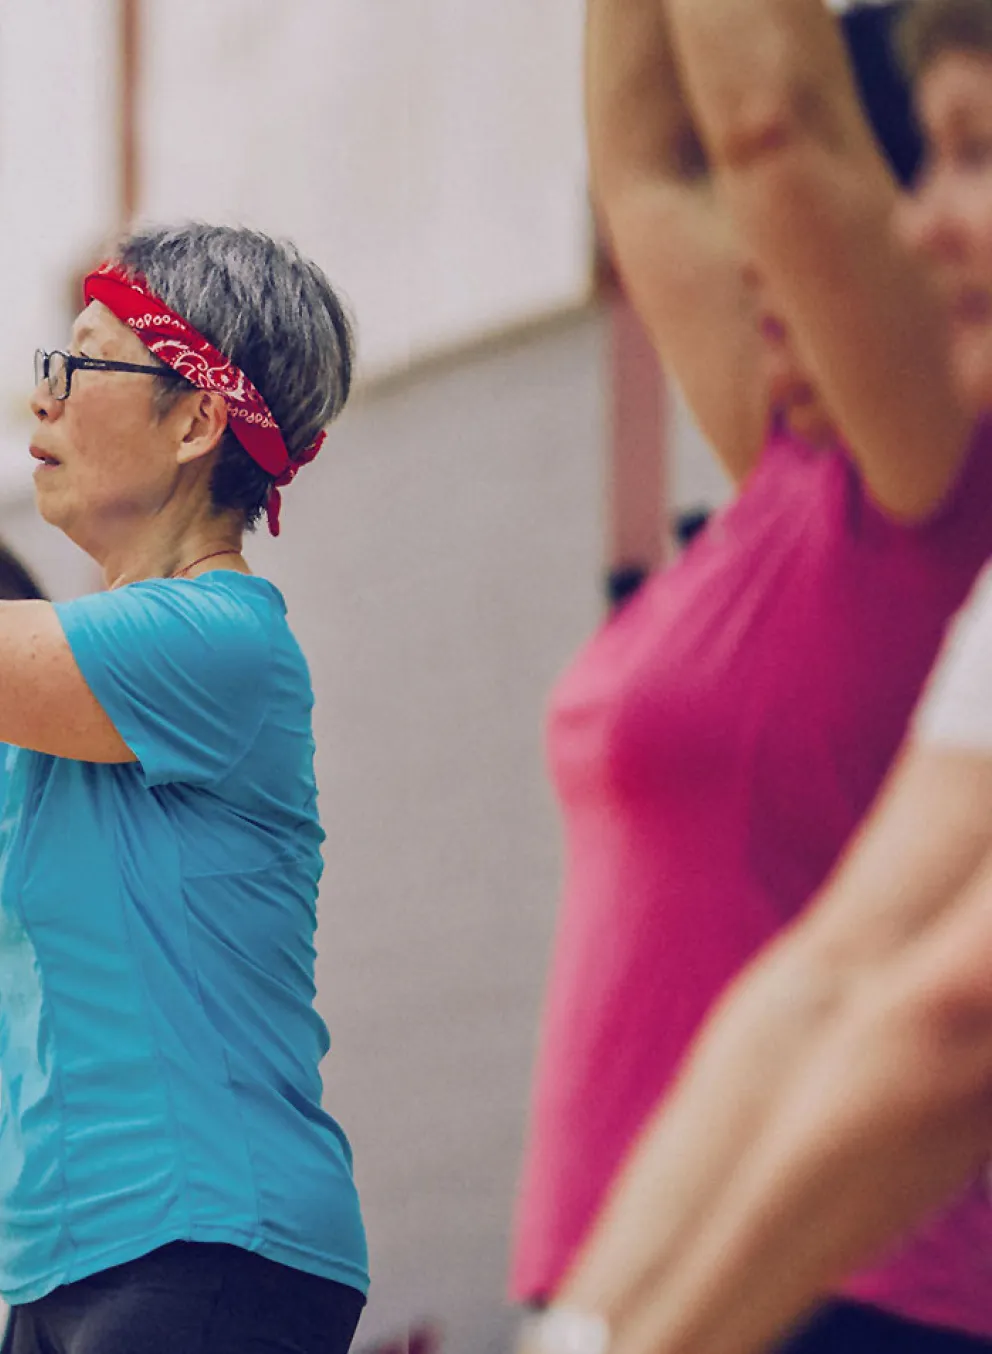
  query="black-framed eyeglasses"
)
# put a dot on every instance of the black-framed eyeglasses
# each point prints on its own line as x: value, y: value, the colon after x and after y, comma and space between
x: 57, y: 367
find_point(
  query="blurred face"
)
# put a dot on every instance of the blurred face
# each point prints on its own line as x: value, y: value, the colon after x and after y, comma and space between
x: 790, y: 391
x: 949, y: 218
x: 106, y: 461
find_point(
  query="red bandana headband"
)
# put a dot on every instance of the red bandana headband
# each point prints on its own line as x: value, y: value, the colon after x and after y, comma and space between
x: 175, y: 342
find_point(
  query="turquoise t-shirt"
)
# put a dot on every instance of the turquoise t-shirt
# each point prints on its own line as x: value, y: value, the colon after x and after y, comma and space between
x: 159, y: 1048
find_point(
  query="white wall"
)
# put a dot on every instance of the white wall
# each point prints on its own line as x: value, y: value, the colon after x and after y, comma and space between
x: 695, y: 477
x: 428, y: 153
x: 57, y: 177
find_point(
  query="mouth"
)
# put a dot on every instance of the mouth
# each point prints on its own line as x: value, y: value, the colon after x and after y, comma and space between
x: 44, y: 458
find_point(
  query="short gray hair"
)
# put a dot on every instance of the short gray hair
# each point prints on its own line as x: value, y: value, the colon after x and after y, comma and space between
x: 273, y: 313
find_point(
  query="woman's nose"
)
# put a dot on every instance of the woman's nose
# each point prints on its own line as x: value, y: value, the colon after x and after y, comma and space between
x: 44, y: 405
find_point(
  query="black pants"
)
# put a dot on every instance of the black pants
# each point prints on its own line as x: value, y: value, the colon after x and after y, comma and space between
x: 190, y: 1298
x: 852, y: 1328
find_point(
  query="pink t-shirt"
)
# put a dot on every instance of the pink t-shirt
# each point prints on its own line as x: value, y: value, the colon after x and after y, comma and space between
x: 713, y: 748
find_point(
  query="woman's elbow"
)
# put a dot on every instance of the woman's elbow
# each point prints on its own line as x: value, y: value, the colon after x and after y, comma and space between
x: 944, y: 1034
x: 770, y: 125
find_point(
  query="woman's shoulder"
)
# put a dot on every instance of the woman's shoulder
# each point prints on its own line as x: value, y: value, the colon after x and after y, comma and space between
x: 223, y: 601
x: 217, y: 627
x: 248, y: 615
x: 251, y: 612
x: 228, y: 589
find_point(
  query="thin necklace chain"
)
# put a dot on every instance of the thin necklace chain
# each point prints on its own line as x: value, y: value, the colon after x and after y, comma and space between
x: 215, y: 554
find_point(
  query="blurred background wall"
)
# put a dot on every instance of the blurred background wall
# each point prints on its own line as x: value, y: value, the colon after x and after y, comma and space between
x: 441, y: 560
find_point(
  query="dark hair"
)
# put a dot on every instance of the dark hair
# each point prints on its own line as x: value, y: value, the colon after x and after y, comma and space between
x: 17, y: 583
x: 273, y: 313
x: 690, y: 523
x: 932, y: 27
x: 869, y: 31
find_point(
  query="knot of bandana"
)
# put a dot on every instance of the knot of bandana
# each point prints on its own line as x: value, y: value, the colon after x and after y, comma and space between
x: 175, y: 342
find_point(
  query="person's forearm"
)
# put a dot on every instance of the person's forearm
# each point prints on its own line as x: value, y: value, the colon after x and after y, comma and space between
x: 757, y: 72
x: 638, y: 125
x: 749, y: 1054
x: 893, y: 1115
x: 640, y: 139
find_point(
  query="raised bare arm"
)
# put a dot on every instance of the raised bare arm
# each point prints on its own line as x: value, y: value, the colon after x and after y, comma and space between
x: 813, y: 199
x: 672, y: 241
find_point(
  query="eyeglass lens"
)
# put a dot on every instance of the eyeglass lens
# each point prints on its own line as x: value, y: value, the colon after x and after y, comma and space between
x: 56, y: 374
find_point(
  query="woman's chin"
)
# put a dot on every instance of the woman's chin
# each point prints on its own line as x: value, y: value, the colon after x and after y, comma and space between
x: 49, y: 502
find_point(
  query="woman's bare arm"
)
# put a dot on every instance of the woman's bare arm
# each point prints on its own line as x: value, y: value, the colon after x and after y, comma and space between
x: 890, y: 1117
x: 808, y: 190
x: 676, y: 251
x: 45, y: 703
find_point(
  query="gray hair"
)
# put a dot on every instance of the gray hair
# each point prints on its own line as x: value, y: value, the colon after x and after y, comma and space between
x: 268, y: 309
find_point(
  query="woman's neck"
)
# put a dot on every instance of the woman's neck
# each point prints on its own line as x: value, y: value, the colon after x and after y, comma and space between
x: 215, y: 544
x: 228, y: 557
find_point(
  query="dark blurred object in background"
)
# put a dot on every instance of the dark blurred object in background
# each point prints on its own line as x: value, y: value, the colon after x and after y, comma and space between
x: 884, y: 91
x: 689, y: 524
x: 17, y: 584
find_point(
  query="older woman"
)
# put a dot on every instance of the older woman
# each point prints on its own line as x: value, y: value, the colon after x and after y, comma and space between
x: 168, y: 1178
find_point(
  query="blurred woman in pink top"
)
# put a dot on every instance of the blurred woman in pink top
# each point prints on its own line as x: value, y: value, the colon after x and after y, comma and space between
x: 718, y: 741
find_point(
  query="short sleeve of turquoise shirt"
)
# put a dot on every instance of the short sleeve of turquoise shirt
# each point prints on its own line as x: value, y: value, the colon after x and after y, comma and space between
x: 180, y: 669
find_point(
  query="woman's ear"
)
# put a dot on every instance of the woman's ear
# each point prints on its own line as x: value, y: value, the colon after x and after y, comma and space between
x: 203, y: 423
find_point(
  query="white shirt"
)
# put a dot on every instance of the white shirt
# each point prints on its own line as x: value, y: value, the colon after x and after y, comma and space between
x: 956, y: 708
